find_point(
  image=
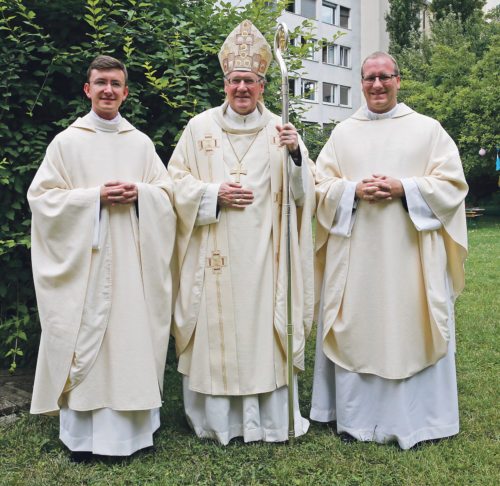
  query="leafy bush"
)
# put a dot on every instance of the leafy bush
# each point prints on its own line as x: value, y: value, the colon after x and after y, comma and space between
x: 453, y: 77
x: 170, y: 49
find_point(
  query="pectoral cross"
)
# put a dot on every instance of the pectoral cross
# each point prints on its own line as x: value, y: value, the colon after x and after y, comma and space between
x: 216, y: 261
x: 238, y: 172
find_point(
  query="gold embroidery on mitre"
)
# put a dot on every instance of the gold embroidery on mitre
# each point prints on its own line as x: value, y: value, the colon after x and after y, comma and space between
x: 245, y: 49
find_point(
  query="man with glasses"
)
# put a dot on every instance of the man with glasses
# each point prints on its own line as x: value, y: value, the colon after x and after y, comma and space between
x: 102, y: 237
x: 391, y: 242
x: 229, y: 325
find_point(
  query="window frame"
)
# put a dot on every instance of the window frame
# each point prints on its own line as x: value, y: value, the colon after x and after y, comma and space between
x: 344, y: 52
x: 291, y: 7
x: 326, y: 48
x: 333, y: 93
x: 342, y: 8
x: 349, y: 101
x: 333, y: 7
x: 304, y: 81
x: 302, y: 3
x: 311, y: 52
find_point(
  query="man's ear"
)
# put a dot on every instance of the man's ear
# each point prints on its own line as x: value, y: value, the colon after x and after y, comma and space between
x: 86, y: 90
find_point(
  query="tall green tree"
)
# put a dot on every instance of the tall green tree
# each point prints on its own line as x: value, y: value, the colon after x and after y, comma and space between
x: 463, y: 8
x: 403, y: 22
x: 453, y: 77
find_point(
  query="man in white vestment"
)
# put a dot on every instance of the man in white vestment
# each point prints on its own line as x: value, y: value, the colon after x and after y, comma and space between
x: 391, y: 243
x: 102, y: 237
x: 229, y: 321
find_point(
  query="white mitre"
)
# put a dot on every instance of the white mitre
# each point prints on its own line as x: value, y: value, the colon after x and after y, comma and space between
x: 245, y: 49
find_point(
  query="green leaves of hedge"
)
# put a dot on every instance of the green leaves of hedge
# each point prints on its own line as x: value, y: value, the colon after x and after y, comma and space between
x: 170, y: 49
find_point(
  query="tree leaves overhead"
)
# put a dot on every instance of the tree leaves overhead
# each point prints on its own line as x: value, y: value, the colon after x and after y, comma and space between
x: 402, y: 22
x: 462, y: 8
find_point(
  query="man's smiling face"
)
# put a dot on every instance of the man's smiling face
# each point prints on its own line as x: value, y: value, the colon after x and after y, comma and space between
x: 107, y: 91
x: 380, y: 96
x: 243, y: 90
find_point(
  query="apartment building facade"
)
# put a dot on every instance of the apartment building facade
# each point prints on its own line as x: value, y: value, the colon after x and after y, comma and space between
x: 329, y: 82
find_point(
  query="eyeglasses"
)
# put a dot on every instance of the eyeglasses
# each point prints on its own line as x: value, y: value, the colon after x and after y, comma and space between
x: 246, y: 81
x: 383, y: 78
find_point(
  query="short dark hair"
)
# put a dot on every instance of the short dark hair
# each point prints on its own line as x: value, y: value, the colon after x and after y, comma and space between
x: 378, y: 54
x: 104, y: 63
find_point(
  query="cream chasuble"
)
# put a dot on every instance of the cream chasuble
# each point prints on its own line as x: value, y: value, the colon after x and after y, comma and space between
x: 366, y: 405
x: 104, y: 308
x: 385, y: 310
x: 228, y: 320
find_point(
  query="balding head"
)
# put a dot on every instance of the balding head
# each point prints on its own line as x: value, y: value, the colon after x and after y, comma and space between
x: 377, y: 55
x: 380, y: 82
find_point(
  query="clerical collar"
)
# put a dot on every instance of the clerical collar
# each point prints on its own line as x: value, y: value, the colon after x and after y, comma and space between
x: 103, y: 124
x: 371, y: 115
x: 248, y: 121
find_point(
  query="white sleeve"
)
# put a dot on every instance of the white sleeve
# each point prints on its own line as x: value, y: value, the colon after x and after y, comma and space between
x: 420, y: 213
x: 298, y: 179
x: 97, y: 221
x: 346, y: 211
x: 207, y: 212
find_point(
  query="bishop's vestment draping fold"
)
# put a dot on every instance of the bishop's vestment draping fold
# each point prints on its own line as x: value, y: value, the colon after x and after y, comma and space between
x: 385, y: 309
x: 222, y: 348
x: 104, y: 308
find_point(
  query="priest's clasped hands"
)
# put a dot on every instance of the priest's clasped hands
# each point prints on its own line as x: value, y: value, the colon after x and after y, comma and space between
x: 117, y: 192
x: 379, y: 188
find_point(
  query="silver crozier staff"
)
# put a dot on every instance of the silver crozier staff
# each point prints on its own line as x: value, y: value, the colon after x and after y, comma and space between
x: 280, y: 46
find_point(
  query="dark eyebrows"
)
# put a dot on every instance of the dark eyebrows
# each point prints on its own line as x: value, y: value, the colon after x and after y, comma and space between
x: 100, y: 80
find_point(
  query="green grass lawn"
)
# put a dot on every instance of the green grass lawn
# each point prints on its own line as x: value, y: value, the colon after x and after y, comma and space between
x: 31, y: 454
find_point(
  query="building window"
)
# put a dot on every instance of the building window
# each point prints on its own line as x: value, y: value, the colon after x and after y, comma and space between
x: 308, y: 8
x: 329, y: 54
x: 328, y: 12
x: 344, y: 17
x: 345, y: 93
x: 290, y: 7
x: 311, y: 48
x: 344, y: 56
x: 328, y: 93
x: 308, y: 90
x: 291, y: 87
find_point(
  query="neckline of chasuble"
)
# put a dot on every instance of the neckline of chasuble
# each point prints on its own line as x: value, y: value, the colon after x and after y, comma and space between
x: 219, y: 118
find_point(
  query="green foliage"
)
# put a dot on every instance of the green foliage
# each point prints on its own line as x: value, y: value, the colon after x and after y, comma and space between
x: 315, y: 138
x: 26, y: 55
x: 453, y: 77
x: 463, y: 8
x: 402, y: 22
x: 170, y: 49
x: 31, y: 453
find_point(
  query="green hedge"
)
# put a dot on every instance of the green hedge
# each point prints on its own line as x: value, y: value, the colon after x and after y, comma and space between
x: 170, y: 49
